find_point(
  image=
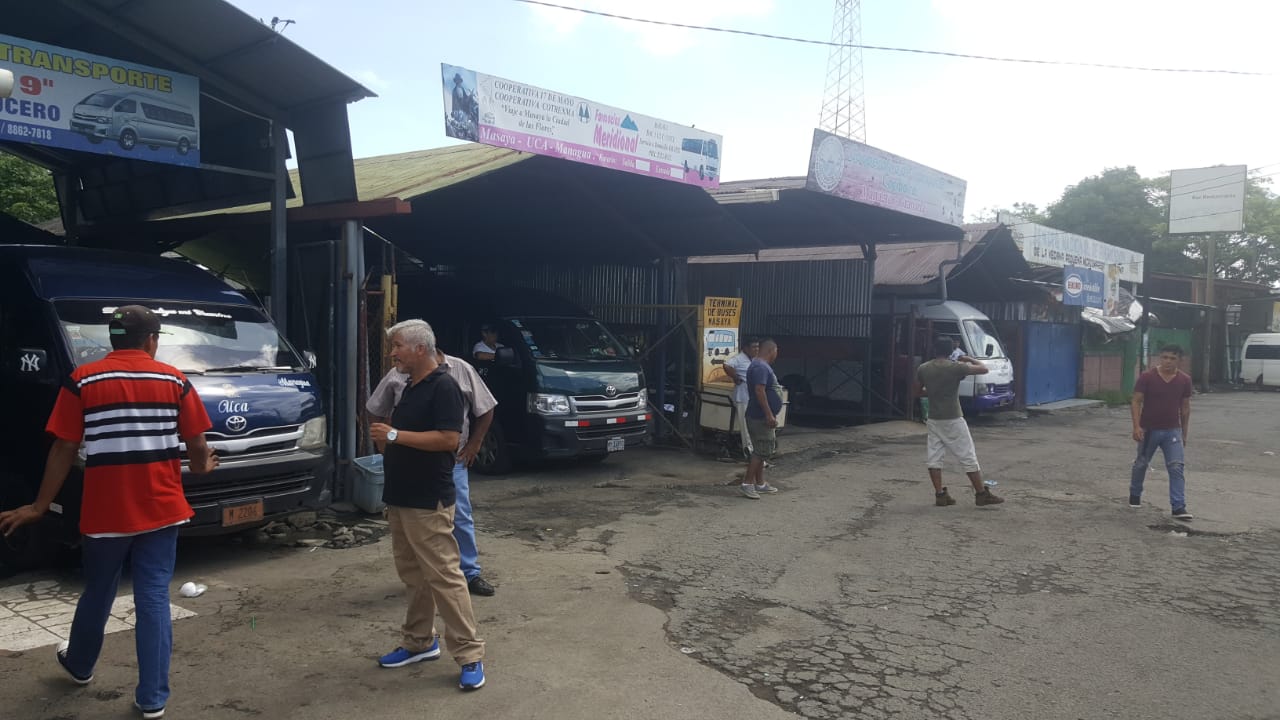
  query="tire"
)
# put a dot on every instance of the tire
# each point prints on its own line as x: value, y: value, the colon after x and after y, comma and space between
x: 128, y: 140
x: 184, y: 146
x: 494, y: 457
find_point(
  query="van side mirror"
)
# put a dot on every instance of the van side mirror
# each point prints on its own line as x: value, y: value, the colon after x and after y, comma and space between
x: 506, y: 357
x: 310, y: 359
x: 990, y: 350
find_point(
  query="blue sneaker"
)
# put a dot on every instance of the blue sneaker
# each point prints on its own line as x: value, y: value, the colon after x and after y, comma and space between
x: 62, y: 660
x: 472, y: 676
x: 401, y: 657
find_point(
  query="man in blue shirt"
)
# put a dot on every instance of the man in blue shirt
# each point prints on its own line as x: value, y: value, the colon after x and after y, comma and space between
x: 764, y: 402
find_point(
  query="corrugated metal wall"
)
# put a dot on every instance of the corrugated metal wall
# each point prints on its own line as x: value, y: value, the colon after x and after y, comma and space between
x: 821, y: 298
x: 599, y: 288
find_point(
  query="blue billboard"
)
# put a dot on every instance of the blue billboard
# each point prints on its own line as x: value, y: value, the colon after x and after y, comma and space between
x: 1083, y: 287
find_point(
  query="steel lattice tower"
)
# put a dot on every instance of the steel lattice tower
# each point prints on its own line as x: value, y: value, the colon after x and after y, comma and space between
x: 843, y: 111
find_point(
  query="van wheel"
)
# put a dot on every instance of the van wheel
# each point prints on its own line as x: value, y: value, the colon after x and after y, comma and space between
x: 184, y: 146
x: 494, y: 457
x: 128, y: 140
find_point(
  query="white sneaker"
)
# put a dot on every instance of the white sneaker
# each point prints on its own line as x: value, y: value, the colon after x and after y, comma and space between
x: 766, y: 489
x: 149, y: 714
x: 749, y: 491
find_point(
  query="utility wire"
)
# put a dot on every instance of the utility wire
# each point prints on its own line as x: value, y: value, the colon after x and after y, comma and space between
x: 916, y: 51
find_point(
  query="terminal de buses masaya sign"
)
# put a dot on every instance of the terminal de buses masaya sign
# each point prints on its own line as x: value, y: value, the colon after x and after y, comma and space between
x: 505, y: 113
x: 74, y: 100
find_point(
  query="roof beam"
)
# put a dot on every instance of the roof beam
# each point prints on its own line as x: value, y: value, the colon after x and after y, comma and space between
x: 173, y: 56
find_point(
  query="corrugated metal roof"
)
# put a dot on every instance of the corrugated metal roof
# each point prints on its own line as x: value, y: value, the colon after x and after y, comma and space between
x: 411, y: 174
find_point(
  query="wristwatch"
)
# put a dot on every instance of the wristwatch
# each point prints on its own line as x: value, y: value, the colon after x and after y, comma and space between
x: 392, y: 434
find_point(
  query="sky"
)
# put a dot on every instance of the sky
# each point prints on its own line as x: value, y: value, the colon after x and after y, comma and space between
x: 1014, y: 132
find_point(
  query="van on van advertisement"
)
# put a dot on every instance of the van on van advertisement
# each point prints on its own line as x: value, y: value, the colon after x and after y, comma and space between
x: 77, y: 101
x: 504, y: 113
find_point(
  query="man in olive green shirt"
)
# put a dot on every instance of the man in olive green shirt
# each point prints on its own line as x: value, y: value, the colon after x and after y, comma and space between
x: 939, y: 379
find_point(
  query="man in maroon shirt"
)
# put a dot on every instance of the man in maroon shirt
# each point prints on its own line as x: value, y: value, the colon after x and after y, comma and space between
x: 1161, y: 418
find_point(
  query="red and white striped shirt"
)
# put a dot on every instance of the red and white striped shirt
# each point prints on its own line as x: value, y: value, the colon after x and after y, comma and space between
x: 130, y: 411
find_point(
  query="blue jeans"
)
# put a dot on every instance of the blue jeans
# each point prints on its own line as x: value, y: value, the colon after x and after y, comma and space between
x: 151, y: 558
x: 464, y: 528
x: 1168, y: 442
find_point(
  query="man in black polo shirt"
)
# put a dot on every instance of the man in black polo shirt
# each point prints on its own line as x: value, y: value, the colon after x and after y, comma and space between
x: 418, y: 454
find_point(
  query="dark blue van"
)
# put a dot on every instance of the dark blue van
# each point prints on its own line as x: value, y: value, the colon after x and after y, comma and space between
x: 268, y: 421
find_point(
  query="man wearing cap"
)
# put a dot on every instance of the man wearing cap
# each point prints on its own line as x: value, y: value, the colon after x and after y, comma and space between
x: 487, y: 349
x: 475, y: 424
x: 131, y: 413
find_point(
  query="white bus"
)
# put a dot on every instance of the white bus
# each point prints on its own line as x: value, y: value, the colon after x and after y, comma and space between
x: 133, y: 118
x: 1260, y: 361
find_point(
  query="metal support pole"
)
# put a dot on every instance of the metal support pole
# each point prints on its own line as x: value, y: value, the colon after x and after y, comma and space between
x: 1210, y: 273
x: 350, y: 255
x: 279, y: 230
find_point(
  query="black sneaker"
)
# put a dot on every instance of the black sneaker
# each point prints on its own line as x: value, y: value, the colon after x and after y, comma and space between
x: 943, y: 499
x: 62, y: 660
x: 479, y: 586
x: 1135, y: 501
x: 1181, y: 514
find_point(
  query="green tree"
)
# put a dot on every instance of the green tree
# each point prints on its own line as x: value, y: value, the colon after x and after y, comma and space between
x: 26, y: 190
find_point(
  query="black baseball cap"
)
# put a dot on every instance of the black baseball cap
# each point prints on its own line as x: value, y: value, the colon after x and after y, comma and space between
x: 133, y: 320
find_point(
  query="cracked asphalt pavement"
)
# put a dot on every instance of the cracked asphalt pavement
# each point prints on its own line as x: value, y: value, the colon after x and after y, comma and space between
x: 646, y: 587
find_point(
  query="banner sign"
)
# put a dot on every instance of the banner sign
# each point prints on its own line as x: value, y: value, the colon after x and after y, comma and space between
x: 854, y: 171
x: 1043, y: 245
x: 1083, y: 287
x: 720, y: 320
x: 78, y: 101
x: 1205, y: 200
x: 504, y: 113
x: 1111, y: 298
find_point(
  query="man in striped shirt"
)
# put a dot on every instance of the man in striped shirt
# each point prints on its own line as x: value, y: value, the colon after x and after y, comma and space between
x: 130, y: 412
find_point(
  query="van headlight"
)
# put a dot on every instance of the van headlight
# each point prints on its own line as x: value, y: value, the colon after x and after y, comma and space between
x: 313, y: 434
x: 548, y: 404
x: 981, y: 389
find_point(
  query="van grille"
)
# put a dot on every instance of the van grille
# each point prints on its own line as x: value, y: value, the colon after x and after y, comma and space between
x: 602, y: 404
x: 608, y: 431
x: 249, y: 487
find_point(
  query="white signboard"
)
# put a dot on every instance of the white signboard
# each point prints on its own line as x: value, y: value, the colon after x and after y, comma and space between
x: 1205, y: 200
x: 1043, y: 245
x: 495, y: 111
x: 78, y: 101
x: 854, y: 171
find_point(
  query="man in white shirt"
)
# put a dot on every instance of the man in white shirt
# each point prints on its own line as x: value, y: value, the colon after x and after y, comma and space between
x: 475, y: 423
x: 487, y: 349
x: 736, y: 368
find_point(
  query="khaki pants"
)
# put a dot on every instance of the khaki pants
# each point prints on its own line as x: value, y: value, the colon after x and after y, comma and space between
x: 426, y: 556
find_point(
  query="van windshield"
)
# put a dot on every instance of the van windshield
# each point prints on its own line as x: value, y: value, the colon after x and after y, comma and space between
x: 568, y: 339
x: 101, y: 100
x: 982, y: 335
x: 200, y: 337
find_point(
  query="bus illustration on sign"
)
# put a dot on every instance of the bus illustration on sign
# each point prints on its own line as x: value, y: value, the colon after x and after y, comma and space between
x: 701, y: 156
x: 133, y: 118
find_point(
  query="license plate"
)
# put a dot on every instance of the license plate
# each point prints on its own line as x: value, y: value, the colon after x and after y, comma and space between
x: 616, y: 444
x: 241, y: 514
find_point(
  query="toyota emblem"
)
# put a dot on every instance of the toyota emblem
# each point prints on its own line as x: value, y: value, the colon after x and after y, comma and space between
x: 610, y: 391
x: 237, y: 423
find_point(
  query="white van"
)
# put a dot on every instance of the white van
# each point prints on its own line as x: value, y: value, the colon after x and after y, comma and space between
x: 134, y: 118
x: 1260, y: 361
x: 978, y: 339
